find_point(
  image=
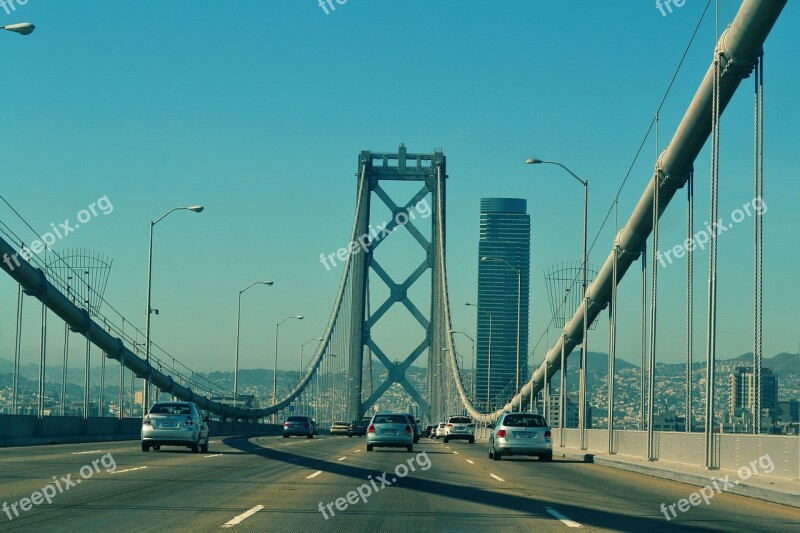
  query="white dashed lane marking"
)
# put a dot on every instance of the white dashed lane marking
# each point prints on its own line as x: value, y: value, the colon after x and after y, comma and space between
x: 567, y: 522
x: 237, y: 520
x: 315, y: 474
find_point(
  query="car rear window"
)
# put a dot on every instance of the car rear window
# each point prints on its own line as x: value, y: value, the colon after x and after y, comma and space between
x: 297, y: 419
x: 171, y: 409
x: 531, y: 421
x: 460, y: 420
x: 390, y: 419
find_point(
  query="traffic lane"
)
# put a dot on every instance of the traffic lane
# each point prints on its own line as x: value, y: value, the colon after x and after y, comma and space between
x: 173, y: 490
x: 601, y: 489
x: 441, y: 496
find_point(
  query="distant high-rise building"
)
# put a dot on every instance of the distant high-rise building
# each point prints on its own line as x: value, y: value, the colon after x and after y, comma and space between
x: 505, y: 236
x: 743, y: 392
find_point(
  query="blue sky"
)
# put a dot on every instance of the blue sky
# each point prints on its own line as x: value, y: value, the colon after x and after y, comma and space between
x: 258, y: 111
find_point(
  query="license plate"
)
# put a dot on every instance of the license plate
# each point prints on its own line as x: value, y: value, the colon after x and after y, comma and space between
x: 389, y: 432
x: 170, y: 425
x: 461, y: 429
x: 524, y: 435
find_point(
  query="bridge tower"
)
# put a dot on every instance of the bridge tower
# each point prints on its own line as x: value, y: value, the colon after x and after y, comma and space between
x: 373, y: 170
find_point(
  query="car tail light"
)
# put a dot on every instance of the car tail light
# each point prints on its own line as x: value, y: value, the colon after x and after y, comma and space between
x: 305, y: 425
x: 501, y: 434
x: 548, y: 435
x: 449, y: 425
x: 408, y: 428
x: 146, y: 420
x: 286, y: 424
x: 371, y: 429
x: 189, y: 421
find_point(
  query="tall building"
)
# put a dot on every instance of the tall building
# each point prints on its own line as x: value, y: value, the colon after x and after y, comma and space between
x: 505, y: 238
x: 742, y: 390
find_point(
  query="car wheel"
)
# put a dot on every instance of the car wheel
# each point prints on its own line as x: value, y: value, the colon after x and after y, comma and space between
x: 472, y: 440
x: 204, y: 447
x: 491, y: 455
x: 286, y: 436
x: 369, y: 447
x: 195, y: 447
x: 310, y: 436
x: 496, y: 456
x: 349, y: 435
x: 410, y: 447
x: 546, y: 457
x: 445, y: 440
x: 145, y: 447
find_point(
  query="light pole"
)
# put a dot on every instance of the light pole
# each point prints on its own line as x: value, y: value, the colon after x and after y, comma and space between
x: 301, y: 357
x: 275, y: 369
x: 23, y: 28
x: 453, y: 332
x: 489, y: 360
x: 238, y: 319
x: 146, y: 391
x: 582, y: 378
x: 519, y: 298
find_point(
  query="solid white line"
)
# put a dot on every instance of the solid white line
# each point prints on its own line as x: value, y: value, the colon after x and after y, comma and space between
x: 215, y: 455
x: 471, y: 462
x: 81, y: 453
x: 567, y: 521
x: 342, y: 458
x: 315, y: 474
x: 127, y: 470
x: 243, y: 516
x: 497, y: 477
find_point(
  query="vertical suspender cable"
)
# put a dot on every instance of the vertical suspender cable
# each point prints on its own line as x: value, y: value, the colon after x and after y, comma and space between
x: 17, y: 354
x: 689, y: 299
x: 651, y: 452
x: 712, y: 272
x: 643, y: 371
x: 758, y: 246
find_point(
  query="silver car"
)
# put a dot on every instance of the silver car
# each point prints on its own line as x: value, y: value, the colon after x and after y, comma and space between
x: 390, y: 430
x: 300, y: 426
x: 175, y: 424
x: 521, y: 434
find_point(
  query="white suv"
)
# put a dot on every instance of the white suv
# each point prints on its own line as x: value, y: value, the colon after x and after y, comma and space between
x: 459, y: 427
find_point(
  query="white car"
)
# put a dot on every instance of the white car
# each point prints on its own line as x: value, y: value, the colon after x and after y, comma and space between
x: 440, y: 430
x: 459, y: 427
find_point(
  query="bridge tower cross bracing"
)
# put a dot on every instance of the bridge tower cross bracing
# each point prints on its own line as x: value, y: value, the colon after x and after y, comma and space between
x: 373, y: 169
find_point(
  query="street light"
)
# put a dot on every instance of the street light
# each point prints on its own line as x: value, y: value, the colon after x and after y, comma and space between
x: 23, y: 28
x: 519, y: 298
x: 301, y: 361
x: 582, y: 378
x: 238, y: 318
x: 489, y: 359
x: 146, y: 391
x: 453, y: 332
x: 275, y: 370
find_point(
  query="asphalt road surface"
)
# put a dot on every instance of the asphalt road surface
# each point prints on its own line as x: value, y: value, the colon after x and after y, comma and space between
x: 334, y: 484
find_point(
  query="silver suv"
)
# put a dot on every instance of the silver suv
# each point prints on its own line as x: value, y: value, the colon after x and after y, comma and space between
x: 459, y: 427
